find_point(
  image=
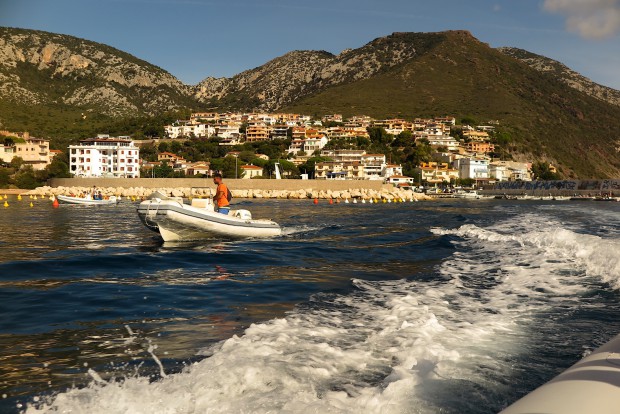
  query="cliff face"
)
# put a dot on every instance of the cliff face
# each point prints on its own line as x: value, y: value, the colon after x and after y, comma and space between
x: 39, y: 68
x: 564, y: 74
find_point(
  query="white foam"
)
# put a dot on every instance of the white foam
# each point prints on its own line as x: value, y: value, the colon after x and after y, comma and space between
x: 387, y: 347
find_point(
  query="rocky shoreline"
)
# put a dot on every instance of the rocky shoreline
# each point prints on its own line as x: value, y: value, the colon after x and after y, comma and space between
x: 187, y: 192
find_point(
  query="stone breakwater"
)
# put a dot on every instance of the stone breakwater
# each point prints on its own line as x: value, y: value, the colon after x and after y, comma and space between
x: 387, y: 193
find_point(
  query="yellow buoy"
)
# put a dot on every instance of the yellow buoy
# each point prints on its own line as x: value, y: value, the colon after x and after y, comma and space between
x: 35, y: 197
x: 19, y: 197
x: 6, y: 196
x: 6, y: 204
x: 31, y: 205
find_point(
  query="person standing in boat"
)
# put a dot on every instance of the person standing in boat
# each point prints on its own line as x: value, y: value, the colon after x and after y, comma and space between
x: 220, y: 199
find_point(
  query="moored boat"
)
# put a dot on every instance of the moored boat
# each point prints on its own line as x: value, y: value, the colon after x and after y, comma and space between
x: 471, y: 194
x: 177, y: 221
x: 87, y: 200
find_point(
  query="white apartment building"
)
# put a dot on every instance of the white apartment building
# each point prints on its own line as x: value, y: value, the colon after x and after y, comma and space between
x: 227, y: 131
x: 510, y: 171
x: 392, y: 170
x: 444, y: 141
x: 473, y: 168
x: 105, y: 156
x: 374, y: 165
x: 187, y: 130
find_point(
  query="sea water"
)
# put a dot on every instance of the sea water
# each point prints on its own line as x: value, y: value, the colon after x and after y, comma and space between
x: 449, y: 306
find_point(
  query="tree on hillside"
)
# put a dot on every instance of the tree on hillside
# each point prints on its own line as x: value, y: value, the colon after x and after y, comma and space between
x: 231, y: 167
x: 59, y: 167
x: 175, y: 147
x: 404, y: 139
x: 469, y: 120
x: 163, y: 170
x: 421, y: 153
x: 25, y: 178
x: 148, y: 152
x: 17, y: 162
x: 5, y: 177
x: 379, y: 135
x: 163, y: 147
x: 542, y: 171
x: 247, y: 156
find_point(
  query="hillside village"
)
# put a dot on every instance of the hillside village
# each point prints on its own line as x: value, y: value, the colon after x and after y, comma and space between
x: 456, y: 154
x: 468, y: 157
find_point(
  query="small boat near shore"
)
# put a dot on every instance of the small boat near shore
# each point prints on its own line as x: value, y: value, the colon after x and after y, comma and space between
x: 177, y: 221
x: 86, y: 200
x: 469, y: 194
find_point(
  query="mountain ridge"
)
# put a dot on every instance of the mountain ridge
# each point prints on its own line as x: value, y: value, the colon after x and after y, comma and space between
x: 63, y: 86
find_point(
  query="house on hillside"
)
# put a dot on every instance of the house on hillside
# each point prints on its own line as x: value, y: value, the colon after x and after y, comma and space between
x: 251, y: 171
x: 33, y: 151
x: 199, y: 168
x: 400, y: 180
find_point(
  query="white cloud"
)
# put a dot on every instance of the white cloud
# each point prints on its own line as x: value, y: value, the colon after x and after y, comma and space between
x: 592, y: 19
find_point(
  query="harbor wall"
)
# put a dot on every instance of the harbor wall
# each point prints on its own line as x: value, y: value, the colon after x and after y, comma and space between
x: 233, y: 184
x: 556, y: 188
x: 240, y: 188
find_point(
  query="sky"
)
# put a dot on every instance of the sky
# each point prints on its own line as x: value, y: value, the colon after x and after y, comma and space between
x: 195, y: 39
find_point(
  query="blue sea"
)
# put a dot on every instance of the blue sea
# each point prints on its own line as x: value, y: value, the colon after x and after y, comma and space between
x: 447, y: 306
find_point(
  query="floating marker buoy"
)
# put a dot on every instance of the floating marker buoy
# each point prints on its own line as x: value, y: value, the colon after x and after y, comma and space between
x: 6, y: 204
x: 346, y: 201
x: 52, y: 198
x: 55, y: 204
x: 5, y: 196
x: 35, y: 197
x: 19, y: 197
x: 316, y: 201
x: 31, y: 205
x: 331, y: 201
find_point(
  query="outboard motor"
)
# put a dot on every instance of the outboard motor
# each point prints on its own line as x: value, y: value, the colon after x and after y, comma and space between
x: 243, y: 214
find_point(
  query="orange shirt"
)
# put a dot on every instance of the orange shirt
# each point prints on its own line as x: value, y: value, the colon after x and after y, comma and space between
x: 221, y: 194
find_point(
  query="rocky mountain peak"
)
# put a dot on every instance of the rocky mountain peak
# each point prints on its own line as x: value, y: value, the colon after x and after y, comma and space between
x: 565, y: 74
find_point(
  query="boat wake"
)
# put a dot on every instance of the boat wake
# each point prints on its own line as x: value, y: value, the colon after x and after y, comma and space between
x: 387, y: 346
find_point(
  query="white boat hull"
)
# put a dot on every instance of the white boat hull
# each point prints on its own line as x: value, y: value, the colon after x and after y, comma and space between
x: 176, y: 221
x: 592, y: 385
x: 86, y: 201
